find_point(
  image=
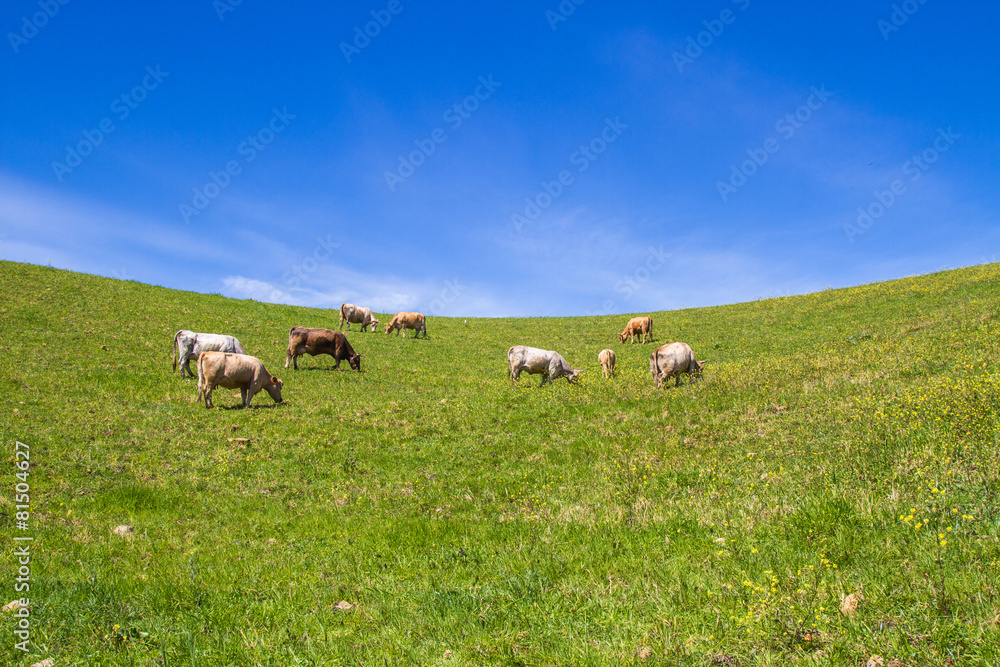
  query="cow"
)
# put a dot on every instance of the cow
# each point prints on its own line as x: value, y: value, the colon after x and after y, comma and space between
x: 356, y: 315
x: 303, y: 340
x: 188, y: 345
x: 549, y: 364
x: 228, y: 370
x: 673, y: 360
x: 637, y: 325
x: 607, y: 359
x: 403, y: 321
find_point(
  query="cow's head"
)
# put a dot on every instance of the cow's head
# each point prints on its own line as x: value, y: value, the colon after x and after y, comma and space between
x: 274, y: 389
x: 355, y: 361
x: 374, y: 324
x: 621, y: 337
x: 698, y: 366
x: 572, y: 377
x: 388, y: 327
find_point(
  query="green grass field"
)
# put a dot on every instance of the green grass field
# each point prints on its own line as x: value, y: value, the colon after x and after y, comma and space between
x: 426, y: 512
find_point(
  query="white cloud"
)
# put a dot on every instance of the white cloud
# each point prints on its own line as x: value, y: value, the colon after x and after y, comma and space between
x: 90, y: 236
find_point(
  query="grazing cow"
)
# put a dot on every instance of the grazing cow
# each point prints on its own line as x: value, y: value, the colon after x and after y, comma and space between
x: 672, y: 360
x: 188, y: 345
x: 549, y: 364
x: 406, y: 321
x: 356, y: 315
x: 227, y: 370
x: 607, y: 359
x: 303, y: 340
x: 637, y: 325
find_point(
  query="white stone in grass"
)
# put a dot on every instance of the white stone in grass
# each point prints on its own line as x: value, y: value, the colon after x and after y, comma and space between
x: 48, y: 662
x: 13, y: 605
x: 123, y: 530
x: 343, y: 605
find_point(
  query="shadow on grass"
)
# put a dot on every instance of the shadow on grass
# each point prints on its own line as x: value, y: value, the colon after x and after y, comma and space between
x: 252, y: 406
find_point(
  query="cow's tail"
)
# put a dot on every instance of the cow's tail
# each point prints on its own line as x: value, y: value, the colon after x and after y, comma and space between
x: 175, y: 350
x: 342, y: 316
x: 510, y: 367
x: 201, y: 375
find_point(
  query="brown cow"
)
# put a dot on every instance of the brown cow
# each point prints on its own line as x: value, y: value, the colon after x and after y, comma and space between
x: 403, y: 321
x: 303, y: 340
x: 228, y: 370
x: 607, y: 359
x: 637, y: 325
x: 673, y: 360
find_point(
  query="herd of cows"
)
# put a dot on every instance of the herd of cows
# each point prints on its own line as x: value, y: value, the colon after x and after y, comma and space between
x: 222, y: 361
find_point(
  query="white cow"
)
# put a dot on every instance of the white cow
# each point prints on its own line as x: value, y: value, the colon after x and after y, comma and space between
x: 356, y: 315
x: 550, y: 365
x: 673, y: 360
x: 188, y: 345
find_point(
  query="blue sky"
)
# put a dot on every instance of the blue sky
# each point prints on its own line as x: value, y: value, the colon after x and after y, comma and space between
x: 506, y: 158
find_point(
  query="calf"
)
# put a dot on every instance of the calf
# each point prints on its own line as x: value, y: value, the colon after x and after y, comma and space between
x: 607, y: 359
x: 550, y: 365
x: 672, y: 360
x: 637, y: 325
x: 303, y: 340
x: 404, y: 321
x: 188, y: 345
x: 356, y: 315
x: 227, y: 370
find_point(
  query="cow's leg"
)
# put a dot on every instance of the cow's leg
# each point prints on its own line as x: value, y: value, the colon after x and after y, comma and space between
x: 336, y: 366
x: 208, y: 395
x: 186, y: 366
x: 243, y: 395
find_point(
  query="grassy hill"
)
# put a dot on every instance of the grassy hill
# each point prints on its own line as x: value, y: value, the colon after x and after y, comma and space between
x: 426, y: 512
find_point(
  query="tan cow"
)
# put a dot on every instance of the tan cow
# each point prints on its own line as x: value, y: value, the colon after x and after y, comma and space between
x: 227, y: 370
x: 404, y: 321
x: 357, y: 315
x: 637, y: 325
x: 607, y: 359
x: 673, y: 360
